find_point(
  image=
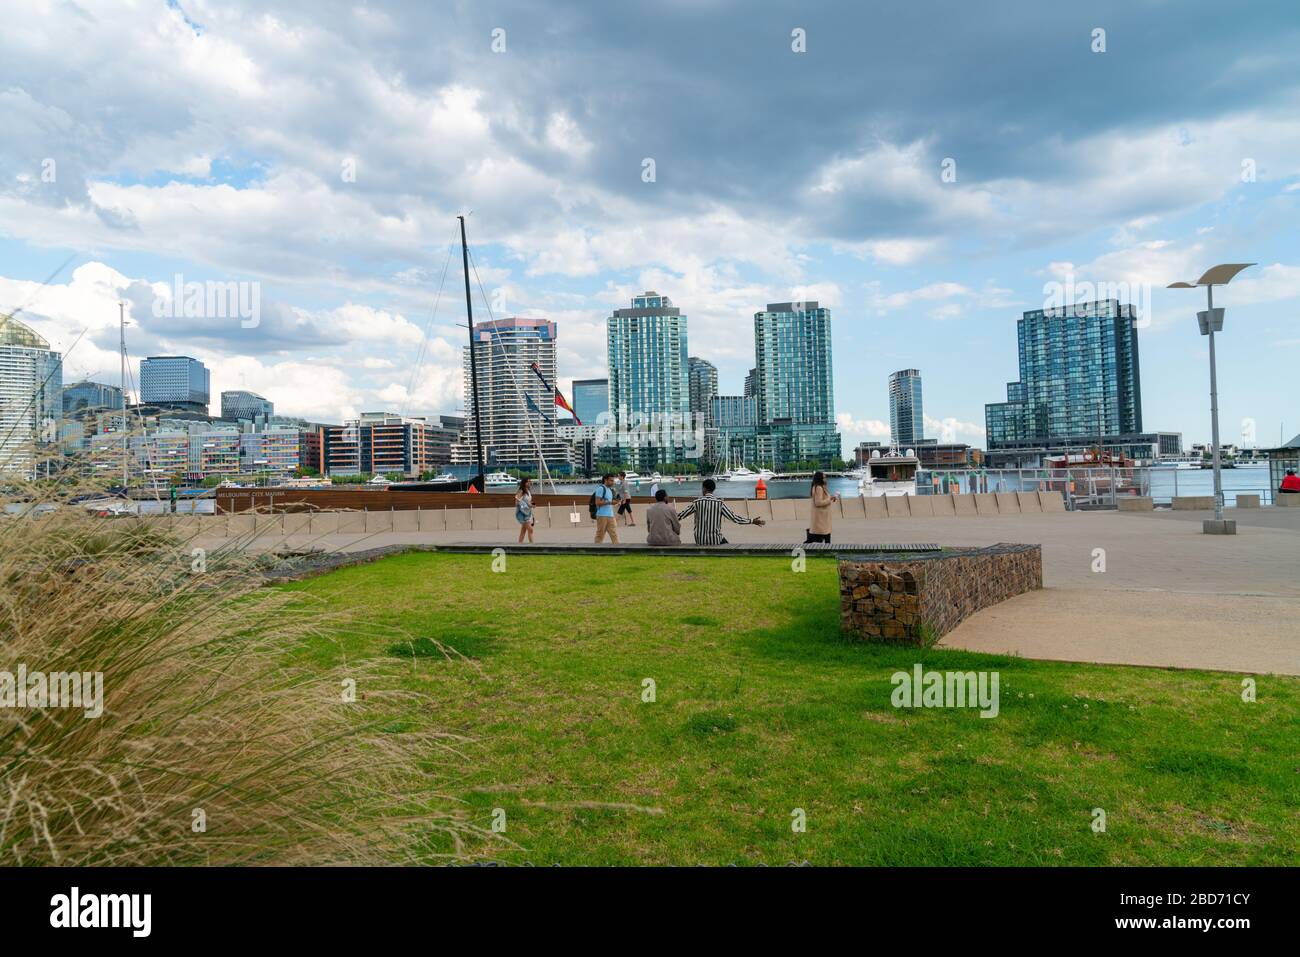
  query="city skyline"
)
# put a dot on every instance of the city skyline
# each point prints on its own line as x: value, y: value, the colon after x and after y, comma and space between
x: 929, y: 216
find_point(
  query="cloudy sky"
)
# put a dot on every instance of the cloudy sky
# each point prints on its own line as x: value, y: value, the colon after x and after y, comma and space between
x: 925, y: 168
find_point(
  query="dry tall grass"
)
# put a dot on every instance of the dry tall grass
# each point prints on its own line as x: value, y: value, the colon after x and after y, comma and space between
x: 204, y: 720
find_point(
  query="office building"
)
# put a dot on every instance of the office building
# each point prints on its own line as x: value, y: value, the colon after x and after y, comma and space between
x: 1079, y: 386
x: 174, y: 382
x: 590, y: 400
x: 906, y: 417
x: 516, y: 408
x: 238, y: 404
x: 88, y: 397
x: 31, y: 382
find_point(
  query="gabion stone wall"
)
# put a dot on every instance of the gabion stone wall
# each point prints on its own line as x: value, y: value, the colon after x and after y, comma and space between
x: 918, y: 598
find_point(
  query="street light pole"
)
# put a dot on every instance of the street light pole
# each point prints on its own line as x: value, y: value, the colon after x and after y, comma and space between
x: 1214, y: 414
x: 1211, y: 321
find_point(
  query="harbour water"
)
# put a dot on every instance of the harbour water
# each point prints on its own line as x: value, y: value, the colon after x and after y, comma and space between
x: 1160, y: 484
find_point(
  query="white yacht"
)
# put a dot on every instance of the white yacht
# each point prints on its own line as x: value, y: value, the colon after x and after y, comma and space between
x: 500, y: 480
x: 893, y: 473
x: 742, y: 474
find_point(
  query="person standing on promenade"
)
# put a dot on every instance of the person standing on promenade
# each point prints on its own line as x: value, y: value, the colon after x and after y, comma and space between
x: 604, y: 498
x: 709, y: 511
x: 524, y: 510
x: 662, y: 525
x: 822, y: 500
x: 625, y: 500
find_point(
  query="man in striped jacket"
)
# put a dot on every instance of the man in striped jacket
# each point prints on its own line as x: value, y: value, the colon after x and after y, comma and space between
x: 709, y: 513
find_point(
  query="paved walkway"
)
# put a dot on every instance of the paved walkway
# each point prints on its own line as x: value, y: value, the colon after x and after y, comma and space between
x: 1168, y: 595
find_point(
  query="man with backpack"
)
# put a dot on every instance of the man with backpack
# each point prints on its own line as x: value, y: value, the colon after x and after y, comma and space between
x: 601, y: 508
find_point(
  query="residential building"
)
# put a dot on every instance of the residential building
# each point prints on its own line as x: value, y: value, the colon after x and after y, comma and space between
x: 31, y: 380
x: 733, y: 412
x: 382, y: 443
x: 703, y: 386
x: 649, y: 385
x: 516, y: 409
x: 793, y: 384
x: 906, y: 417
x: 174, y: 382
x: 1079, y: 386
x: 277, y: 451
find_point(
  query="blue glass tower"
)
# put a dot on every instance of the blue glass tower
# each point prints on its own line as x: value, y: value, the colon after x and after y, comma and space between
x: 1079, y: 378
x: 649, y: 373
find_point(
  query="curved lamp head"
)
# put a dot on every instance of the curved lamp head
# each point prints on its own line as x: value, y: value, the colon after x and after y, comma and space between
x: 1219, y: 275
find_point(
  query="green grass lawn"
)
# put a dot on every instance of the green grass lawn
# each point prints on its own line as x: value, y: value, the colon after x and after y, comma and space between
x: 763, y: 707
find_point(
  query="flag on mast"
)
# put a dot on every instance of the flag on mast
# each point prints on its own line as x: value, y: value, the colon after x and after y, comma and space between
x: 560, y: 400
x: 533, y: 406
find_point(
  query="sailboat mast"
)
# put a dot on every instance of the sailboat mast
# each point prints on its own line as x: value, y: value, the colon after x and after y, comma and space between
x: 121, y: 335
x: 473, y: 366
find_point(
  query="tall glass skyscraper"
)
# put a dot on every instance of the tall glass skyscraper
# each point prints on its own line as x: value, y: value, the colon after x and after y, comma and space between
x: 1079, y: 378
x: 793, y: 386
x: 649, y: 377
x: 792, y: 350
x: 906, y: 417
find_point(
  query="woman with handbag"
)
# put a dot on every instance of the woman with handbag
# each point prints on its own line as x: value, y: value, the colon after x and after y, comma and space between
x: 524, y: 510
x: 822, y: 500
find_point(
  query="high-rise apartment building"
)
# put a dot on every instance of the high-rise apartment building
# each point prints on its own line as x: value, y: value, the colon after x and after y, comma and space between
x: 1079, y: 380
x: 793, y: 385
x: 703, y: 387
x: 649, y: 383
x: 31, y: 382
x: 792, y: 349
x: 516, y: 408
x: 906, y: 416
x: 733, y: 412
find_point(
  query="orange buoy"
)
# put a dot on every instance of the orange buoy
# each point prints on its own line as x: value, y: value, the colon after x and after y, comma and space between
x: 472, y: 488
x: 760, y: 490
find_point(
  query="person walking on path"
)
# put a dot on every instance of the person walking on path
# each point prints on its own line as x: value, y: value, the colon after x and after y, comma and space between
x: 605, y: 523
x: 524, y: 510
x: 662, y: 525
x: 822, y: 500
x: 625, y: 500
x: 709, y: 511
